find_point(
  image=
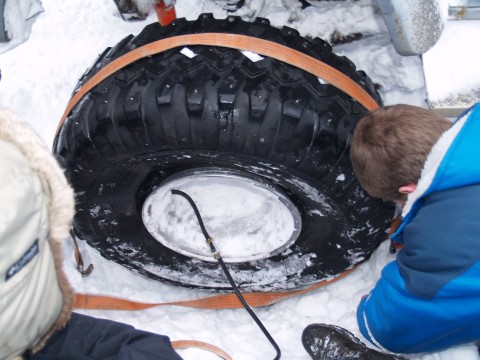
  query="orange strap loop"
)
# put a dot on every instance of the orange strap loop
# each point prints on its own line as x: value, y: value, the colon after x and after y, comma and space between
x: 223, y: 301
x: 241, y: 42
x: 184, y: 344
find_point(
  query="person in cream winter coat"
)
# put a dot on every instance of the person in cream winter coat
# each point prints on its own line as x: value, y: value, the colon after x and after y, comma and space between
x: 36, y: 300
x: 36, y: 208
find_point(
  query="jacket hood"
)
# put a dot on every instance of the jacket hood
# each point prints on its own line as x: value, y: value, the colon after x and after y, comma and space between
x: 43, y: 179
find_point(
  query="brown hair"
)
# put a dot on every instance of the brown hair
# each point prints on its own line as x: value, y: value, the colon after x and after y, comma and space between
x: 390, y: 146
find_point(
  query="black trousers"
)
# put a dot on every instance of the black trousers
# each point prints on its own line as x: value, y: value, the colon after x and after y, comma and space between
x: 89, y: 338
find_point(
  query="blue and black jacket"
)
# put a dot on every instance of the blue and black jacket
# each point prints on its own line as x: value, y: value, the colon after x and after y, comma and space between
x: 429, y: 298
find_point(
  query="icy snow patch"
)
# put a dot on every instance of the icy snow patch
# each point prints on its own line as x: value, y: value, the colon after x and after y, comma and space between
x: 451, y: 67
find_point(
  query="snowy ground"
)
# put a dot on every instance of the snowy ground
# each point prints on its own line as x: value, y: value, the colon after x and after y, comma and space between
x: 38, y: 77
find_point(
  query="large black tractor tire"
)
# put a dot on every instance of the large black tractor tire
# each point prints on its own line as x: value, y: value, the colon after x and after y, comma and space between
x: 167, y: 114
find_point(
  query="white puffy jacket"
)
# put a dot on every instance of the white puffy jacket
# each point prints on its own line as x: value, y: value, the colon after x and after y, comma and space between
x: 36, y: 209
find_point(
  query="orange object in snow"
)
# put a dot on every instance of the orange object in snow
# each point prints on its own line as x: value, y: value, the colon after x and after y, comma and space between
x: 165, y: 13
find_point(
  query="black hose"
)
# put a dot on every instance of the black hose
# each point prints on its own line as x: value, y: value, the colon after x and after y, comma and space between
x: 217, y: 256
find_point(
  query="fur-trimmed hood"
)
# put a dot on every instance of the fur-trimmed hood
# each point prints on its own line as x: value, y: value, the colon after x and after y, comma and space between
x: 37, y: 207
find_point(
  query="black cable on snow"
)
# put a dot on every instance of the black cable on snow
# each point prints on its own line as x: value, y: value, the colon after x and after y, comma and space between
x: 217, y: 256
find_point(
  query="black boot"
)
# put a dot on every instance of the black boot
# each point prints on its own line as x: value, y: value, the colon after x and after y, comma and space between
x: 329, y: 342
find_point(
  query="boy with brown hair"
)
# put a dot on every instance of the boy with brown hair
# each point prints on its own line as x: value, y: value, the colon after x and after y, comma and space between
x: 390, y: 146
x: 36, y: 299
x: 428, y: 299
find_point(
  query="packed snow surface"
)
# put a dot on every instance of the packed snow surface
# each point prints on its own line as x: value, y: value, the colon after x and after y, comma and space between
x: 452, y: 73
x: 38, y: 77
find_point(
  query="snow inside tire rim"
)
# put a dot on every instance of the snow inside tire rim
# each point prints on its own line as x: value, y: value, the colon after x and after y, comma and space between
x: 247, y: 218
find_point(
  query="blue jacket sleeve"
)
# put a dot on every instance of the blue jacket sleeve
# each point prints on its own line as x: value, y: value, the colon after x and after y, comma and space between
x: 428, y: 299
x: 395, y: 320
x: 381, y: 315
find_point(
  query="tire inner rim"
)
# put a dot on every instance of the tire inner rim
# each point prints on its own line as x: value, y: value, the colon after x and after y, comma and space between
x: 247, y: 218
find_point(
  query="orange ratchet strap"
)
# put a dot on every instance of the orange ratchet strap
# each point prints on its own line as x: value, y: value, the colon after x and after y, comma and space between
x: 241, y: 42
x: 223, y: 301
